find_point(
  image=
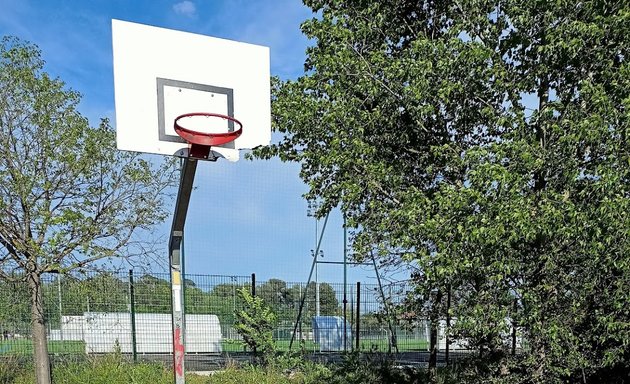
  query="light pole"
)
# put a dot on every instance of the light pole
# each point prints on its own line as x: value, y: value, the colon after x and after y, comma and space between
x: 313, y: 206
x: 233, y: 280
x: 317, y: 301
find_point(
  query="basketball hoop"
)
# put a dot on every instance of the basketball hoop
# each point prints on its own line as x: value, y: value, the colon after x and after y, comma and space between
x: 201, y: 142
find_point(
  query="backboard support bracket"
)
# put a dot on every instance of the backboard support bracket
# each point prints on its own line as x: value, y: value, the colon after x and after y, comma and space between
x: 201, y: 152
x: 187, y: 178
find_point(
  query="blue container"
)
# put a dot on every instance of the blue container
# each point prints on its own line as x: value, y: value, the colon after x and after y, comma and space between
x: 328, y: 332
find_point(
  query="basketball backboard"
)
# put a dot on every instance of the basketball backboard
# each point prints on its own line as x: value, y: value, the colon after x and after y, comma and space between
x: 160, y: 74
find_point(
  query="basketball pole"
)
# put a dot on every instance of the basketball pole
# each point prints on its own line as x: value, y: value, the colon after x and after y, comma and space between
x: 187, y: 177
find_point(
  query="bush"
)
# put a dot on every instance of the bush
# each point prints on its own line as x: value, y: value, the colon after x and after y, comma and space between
x: 374, y: 368
x: 109, y: 369
x: 286, y: 368
x: 253, y: 375
x: 255, y: 323
x: 114, y: 369
x: 12, y: 367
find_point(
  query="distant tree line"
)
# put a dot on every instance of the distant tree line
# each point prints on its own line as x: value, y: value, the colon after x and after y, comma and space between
x: 109, y: 292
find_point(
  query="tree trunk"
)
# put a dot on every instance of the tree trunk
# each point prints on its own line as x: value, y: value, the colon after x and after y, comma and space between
x: 433, y: 339
x: 40, y: 345
x: 434, y: 319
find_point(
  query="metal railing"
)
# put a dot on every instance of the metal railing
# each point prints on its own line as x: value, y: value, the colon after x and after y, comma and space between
x: 131, y: 313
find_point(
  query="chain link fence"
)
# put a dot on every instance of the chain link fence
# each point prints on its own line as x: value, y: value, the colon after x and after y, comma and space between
x: 130, y: 313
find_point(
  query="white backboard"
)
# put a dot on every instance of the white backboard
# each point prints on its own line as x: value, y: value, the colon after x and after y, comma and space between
x: 160, y: 74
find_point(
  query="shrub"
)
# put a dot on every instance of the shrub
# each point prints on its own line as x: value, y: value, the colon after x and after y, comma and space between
x: 255, y: 323
x: 12, y: 366
x: 108, y: 369
x: 251, y: 375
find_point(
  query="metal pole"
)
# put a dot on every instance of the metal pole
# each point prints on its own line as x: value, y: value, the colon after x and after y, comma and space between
x: 358, y: 321
x: 183, y: 261
x: 316, y: 289
x: 345, y: 283
x: 253, y: 292
x: 187, y: 178
x: 234, y: 282
x: 312, y: 211
x: 351, y: 314
x: 132, y: 310
x: 448, y: 324
x: 513, y: 352
x: 303, y: 299
x: 300, y: 323
x: 60, y: 310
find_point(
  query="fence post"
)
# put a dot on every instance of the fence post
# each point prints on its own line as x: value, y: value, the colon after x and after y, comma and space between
x: 448, y: 324
x: 358, y: 321
x: 60, y: 306
x: 254, y: 295
x: 132, y: 309
x: 345, y: 284
x: 351, y: 317
x: 514, y: 327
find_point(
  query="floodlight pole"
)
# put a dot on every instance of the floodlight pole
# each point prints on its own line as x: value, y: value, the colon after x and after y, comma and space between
x: 312, y: 211
x: 187, y: 177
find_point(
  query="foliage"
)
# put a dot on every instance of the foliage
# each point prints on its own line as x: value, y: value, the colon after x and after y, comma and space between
x: 486, y: 145
x: 284, y: 368
x: 12, y: 367
x: 254, y: 375
x: 372, y: 368
x: 69, y: 200
x: 255, y: 323
x: 107, y: 369
x: 83, y: 198
x: 14, y: 301
x: 328, y: 303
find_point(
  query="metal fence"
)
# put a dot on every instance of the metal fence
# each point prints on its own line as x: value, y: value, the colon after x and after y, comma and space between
x: 131, y: 313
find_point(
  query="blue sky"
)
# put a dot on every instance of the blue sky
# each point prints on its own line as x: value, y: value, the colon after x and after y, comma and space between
x: 246, y: 217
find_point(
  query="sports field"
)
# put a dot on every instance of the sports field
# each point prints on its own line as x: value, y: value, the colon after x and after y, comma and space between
x: 25, y: 346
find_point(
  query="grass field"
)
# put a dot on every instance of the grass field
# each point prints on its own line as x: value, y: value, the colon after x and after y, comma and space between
x: 404, y: 345
x: 25, y: 347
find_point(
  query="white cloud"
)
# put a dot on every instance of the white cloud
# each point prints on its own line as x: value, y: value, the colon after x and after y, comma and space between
x: 186, y: 8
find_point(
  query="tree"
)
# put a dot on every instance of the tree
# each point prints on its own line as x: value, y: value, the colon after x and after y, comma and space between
x: 275, y: 293
x: 14, y: 298
x: 255, y: 323
x: 68, y: 199
x: 152, y: 294
x: 328, y: 303
x: 73, y: 296
x: 486, y: 144
x: 224, y: 301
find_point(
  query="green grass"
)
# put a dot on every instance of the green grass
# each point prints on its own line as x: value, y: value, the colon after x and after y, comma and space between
x: 254, y: 376
x: 229, y: 345
x: 101, y: 370
x: 113, y: 369
x: 25, y: 347
x: 283, y: 345
x: 404, y: 345
x: 283, y: 369
x: 365, y: 344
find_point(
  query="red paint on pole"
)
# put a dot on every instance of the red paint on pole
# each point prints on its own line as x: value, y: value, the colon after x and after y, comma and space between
x: 179, y: 353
